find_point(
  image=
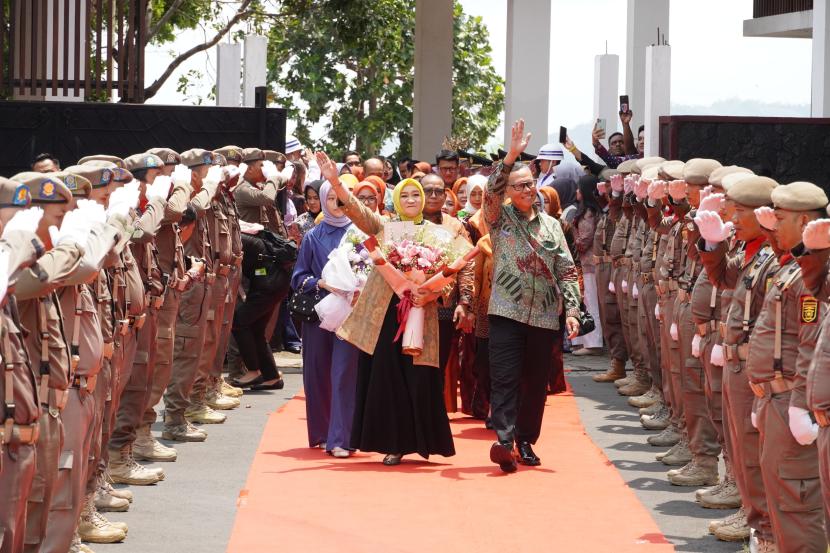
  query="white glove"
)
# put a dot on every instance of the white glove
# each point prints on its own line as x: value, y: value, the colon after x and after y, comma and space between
x: 677, y: 190
x: 717, y: 355
x: 243, y: 168
x: 214, y: 176
x: 802, y: 427
x: 617, y: 183
x: 25, y: 219
x: 159, y: 189
x: 657, y: 314
x: 753, y: 417
x: 181, y: 175
x: 628, y: 184
x: 712, y: 202
x: 90, y: 212
x: 602, y: 187
x: 72, y: 231
x: 696, y: 346
x: 673, y: 332
x: 712, y: 228
x: 231, y: 171
x: 287, y: 172
x: 641, y: 188
x: 269, y: 170
x: 706, y: 192
x: 656, y: 191
x: 816, y: 235
x: 766, y: 217
x: 611, y: 287
x: 123, y: 199
x: 624, y: 284
x: 635, y: 293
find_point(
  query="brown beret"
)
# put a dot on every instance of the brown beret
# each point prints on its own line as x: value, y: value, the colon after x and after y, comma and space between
x: 14, y: 193
x: 252, y: 154
x: 651, y: 172
x: 732, y: 179
x: 799, y: 196
x: 753, y: 191
x: 100, y: 157
x: 274, y: 156
x: 697, y: 171
x: 196, y: 157
x: 142, y: 161
x: 645, y: 161
x: 219, y: 159
x: 716, y: 177
x: 121, y: 175
x: 167, y: 155
x: 45, y: 188
x: 98, y: 177
x: 627, y: 166
x: 231, y: 153
x: 79, y: 186
x: 672, y: 169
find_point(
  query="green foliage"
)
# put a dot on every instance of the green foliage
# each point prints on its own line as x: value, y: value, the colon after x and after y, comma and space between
x: 189, y: 15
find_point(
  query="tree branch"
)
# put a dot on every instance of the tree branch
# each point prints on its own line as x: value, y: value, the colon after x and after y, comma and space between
x: 151, y: 91
x: 164, y: 19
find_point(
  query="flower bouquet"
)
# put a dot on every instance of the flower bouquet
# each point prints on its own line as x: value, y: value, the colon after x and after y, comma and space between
x: 426, y: 261
x: 347, y: 271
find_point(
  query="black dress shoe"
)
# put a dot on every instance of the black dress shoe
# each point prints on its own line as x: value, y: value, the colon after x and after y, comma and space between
x: 488, y: 424
x: 277, y: 384
x: 250, y: 384
x: 527, y: 456
x: 501, y: 453
x: 293, y: 349
x: 393, y: 459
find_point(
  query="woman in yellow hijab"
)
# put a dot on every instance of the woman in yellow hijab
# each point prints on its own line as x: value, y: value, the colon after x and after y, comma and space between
x: 399, y: 407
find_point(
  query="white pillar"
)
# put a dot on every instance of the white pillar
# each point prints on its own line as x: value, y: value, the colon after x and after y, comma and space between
x: 56, y: 49
x: 256, y: 50
x: 432, y: 104
x: 645, y: 17
x: 527, y: 89
x: 228, y: 71
x: 657, y: 95
x: 606, y: 88
x: 820, y: 97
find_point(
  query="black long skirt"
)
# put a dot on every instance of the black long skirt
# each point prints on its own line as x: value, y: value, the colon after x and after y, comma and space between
x: 399, y: 405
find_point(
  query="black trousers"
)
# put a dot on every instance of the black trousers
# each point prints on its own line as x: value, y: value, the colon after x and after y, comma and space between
x: 519, y: 367
x: 481, y: 368
x: 250, y: 320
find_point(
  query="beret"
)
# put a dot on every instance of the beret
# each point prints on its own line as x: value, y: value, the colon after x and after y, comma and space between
x: 142, y: 161
x: 252, y: 154
x: 627, y: 166
x: 716, y: 177
x: 100, y: 157
x: 697, y: 171
x: 607, y: 173
x: 799, y: 196
x: 77, y: 184
x: 167, y: 155
x: 231, y: 153
x: 14, y: 193
x: 196, y: 157
x: 45, y: 188
x: 219, y: 159
x: 651, y: 172
x: 274, y: 156
x: 644, y: 161
x: 121, y: 175
x: 731, y: 179
x: 752, y: 191
x: 672, y: 169
x: 98, y: 177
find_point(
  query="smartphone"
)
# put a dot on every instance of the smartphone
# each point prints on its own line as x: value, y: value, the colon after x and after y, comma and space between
x: 563, y: 134
x: 624, y: 103
x: 601, y: 125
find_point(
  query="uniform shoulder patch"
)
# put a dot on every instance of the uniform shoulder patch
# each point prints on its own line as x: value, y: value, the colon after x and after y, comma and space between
x: 809, y: 310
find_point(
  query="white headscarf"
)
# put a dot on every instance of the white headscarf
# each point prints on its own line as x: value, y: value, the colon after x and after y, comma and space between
x: 475, y: 181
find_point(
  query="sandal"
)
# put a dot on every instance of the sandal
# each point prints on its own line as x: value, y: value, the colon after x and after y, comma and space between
x: 392, y: 459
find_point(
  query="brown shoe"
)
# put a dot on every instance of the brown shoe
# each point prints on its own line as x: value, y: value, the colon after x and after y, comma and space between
x: 616, y: 372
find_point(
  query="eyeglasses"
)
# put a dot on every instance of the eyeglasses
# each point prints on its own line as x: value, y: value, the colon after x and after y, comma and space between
x: 368, y: 199
x: 434, y: 192
x: 519, y: 186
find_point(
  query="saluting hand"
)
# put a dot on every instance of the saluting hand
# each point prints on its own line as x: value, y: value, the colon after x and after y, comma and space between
x: 766, y: 217
x: 816, y: 235
x: 677, y: 190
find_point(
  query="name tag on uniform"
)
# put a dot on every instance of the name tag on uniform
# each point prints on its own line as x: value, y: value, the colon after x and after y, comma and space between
x: 261, y: 271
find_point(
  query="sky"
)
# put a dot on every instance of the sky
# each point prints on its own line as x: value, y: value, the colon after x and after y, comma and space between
x: 715, y: 70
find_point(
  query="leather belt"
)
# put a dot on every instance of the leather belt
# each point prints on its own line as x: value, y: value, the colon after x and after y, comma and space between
x: 736, y: 352
x: 722, y: 330
x: 138, y: 320
x: 237, y: 260
x: 821, y: 418
x: 177, y: 284
x: 704, y: 328
x: 622, y: 262
x: 602, y: 259
x: 108, y: 350
x: 210, y: 278
x: 647, y: 277
x: 224, y: 269
x: 154, y: 301
x: 57, y: 399
x: 683, y: 295
x: 85, y: 382
x: 19, y: 433
x: 771, y: 387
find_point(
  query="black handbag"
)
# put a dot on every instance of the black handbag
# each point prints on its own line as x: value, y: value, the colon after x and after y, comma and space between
x: 301, y: 304
x: 586, y: 321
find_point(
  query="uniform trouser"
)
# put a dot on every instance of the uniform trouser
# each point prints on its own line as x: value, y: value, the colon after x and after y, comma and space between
x: 481, y: 369
x: 676, y: 360
x: 636, y: 331
x: 250, y: 321
x: 329, y: 381
x: 48, y: 453
x: 17, y: 470
x: 517, y: 378
x: 191, y: 322
x: 205, y: 378
x: 165, y: 337
x: 713, y: 385
x: 134, y: 399
x: 823, y: 445
x: 620, y: 275
x: 744, y: 446
x: 703, y: 438
x: 651, y: 328
x: 120, y: 369
x: 666, y: 302
x: 791, y: 480
x: 70, y: 488
x: 234, y: 280
x: 102, y: 399
x: 609, y: 314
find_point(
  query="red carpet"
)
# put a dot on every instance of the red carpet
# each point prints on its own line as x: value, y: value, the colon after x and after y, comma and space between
x: 301, y: 500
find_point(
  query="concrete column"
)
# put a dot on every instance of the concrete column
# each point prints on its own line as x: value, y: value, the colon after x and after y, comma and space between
x: 228, y: 71
x: 256, y: 50
x: 432, y: 103
x: 820, y: 97
x: 606, y: 88
x: 645, y: 17
x: 657, y: 95
x: 527, y: 91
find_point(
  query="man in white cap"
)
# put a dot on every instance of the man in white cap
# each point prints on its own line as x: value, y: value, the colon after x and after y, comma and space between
x: 550, y: 155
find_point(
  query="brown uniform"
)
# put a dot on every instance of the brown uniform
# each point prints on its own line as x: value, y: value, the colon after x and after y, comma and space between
x: 234, y: 280
x: 608, y: 310
x: 747, y: 276
x: 636, y: 331
x: 620, y: 264
x: 648, y: 300
x: 257, y: 203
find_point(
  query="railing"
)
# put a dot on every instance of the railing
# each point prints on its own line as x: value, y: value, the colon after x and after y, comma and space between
x: 765, y: 8
x: 67, y: 46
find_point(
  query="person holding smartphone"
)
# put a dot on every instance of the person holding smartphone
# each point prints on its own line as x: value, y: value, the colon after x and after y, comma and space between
x: 615, y: 154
